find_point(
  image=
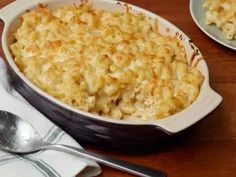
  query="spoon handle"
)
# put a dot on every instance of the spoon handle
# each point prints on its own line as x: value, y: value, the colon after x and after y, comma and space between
x: 114, y: 163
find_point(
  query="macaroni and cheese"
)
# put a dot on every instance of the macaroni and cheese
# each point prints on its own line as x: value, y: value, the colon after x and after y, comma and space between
x: 108, y: 63
x: 222, y: 13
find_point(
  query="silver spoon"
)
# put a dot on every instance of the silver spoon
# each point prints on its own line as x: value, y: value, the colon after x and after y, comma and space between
x: 18, y: 136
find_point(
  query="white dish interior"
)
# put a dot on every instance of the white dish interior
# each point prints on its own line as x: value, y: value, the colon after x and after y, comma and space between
x: 207, y: 100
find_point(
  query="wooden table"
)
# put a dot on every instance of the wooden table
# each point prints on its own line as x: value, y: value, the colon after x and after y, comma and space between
x: 209, y: 148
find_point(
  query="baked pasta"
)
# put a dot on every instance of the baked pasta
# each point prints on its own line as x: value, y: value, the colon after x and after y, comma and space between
x: 222, y: 13
x: 108, y: 63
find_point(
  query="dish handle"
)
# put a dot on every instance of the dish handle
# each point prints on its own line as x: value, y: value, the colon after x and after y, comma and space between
x: 186, y: 118
x: 10, y: 11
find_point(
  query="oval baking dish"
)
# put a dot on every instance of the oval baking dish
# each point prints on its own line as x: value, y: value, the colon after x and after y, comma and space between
x: 96, y: 129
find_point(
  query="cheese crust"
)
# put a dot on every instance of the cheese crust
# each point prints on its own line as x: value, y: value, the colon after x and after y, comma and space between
x: 108, y: 63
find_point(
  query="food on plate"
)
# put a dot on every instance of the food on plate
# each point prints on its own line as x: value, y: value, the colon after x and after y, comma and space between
x: 111, y: 64
x: 222, y: 13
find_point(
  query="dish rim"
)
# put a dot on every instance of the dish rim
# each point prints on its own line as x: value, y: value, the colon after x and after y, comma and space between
x: 191, y: 2
x: 172, y: 124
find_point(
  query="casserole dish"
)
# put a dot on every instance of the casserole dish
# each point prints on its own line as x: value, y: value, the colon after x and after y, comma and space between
x: 90, y: 128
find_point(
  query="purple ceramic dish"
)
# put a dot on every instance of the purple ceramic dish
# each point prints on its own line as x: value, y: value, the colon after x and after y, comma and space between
x: 90, y: 128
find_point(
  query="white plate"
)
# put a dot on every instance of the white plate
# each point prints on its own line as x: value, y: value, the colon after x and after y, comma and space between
x: 198, y: 15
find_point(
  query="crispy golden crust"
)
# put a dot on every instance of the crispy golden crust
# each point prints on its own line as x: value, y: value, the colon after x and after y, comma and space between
x: 222, y: 13
x: 111, y: 64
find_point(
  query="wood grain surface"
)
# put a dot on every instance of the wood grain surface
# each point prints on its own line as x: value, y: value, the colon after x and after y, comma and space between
x: 209, y: 148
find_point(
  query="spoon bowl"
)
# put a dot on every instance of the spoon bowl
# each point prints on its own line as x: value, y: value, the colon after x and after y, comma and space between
x: 18, y: 136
